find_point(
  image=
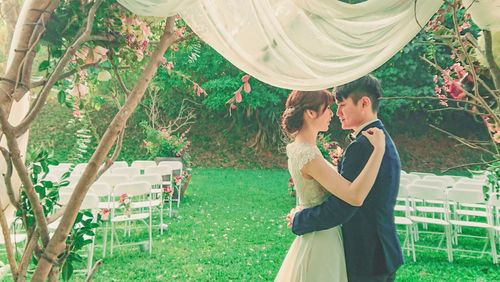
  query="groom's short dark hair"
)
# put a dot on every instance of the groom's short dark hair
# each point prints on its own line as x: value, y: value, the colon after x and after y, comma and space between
x: 367, y: 85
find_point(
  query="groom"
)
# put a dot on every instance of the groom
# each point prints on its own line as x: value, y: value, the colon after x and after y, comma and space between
x: 371, y: 245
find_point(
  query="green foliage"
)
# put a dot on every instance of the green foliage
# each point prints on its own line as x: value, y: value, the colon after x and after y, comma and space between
x: 163, y: 143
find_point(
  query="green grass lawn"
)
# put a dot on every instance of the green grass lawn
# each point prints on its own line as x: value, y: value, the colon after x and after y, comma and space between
x: 230, y: 226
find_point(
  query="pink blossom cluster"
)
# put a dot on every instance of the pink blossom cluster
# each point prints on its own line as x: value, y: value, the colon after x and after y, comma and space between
x: 137, y: 34
x: 493, y: 128
x: 237, y: 94
x: 453, y: 80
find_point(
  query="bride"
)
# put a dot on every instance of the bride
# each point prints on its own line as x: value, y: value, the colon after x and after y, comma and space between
x: 319, y: 256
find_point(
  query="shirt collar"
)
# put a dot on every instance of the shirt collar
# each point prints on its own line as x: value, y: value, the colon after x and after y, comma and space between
x: 356, y: 133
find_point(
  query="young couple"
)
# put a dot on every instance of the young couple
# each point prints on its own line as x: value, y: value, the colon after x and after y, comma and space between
x: 345, y: 216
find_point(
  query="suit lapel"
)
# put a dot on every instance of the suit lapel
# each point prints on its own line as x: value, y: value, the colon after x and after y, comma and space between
x: 376, y: 123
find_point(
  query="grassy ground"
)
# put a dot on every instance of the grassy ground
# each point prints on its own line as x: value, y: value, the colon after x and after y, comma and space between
x: 230, y: 226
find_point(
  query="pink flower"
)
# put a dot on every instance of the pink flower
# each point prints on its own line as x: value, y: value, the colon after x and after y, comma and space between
x: 104, y: 214
x: 122, y: 198
x: 238, y: 97
x: 245, y: 78
x: 435, y: 78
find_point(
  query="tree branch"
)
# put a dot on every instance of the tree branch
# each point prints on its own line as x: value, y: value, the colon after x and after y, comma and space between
x: 8, y: 176
x: 467, y: 165
x: 84, y: 36
x: 463, y: 140
x: 64, y: 75
x: 18, y: 163
x: 116, y: 153
x: 495, y: 71
x: 57, y: 243
x: 27, y: 255
x: 9, y: 247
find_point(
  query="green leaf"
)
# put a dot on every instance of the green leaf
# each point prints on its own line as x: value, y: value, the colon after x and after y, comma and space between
x: 44, y: 65
x: 67, y: 270
x: 61, y: 96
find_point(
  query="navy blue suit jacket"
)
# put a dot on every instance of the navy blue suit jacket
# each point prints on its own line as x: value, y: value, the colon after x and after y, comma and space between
x: 370, y: 241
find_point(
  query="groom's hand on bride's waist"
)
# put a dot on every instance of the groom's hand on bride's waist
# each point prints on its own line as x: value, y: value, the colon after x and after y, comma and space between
x: 291, y: 215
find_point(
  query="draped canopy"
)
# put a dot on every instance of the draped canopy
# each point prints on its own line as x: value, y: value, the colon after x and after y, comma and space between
x: 299, y: 44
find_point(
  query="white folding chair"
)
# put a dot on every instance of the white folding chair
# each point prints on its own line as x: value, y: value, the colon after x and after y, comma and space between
x: 480, y: 221
x: 133, y: 192
x: 176, y: 167
x: 142, y: 165
x: 421, y: 174
x: 119, y: 164
x: 446, y: 179
x: 105, y: 193
x: 494, y: 203
x: 426, y: 193
x: 130, y: 171
x: 409, y: 177
x: 433, y: 206
x: 113, y: 179
x: 167, y: 177
x: 155, y: 181
x: 90, y: 202
x: 402, y: 218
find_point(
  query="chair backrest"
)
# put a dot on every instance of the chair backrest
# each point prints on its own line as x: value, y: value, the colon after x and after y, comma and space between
x: 466, y: 196
x: 471, y: 180
x: 133, y: 188
x: 175, y: 165
x: 143, y: 164
x: 409, y: 177
x: 162, y: 170
x: 425, y: 192
x: 119, y: 164
x: 101, y: 189
x: 472, y: 185
x: 421, y: 174
x: 404, y: 181
x: 153, y: 179
x: 91, y: 200
x: 445, y: 178
x: 403, y: 191
x: 494, y: 201
x: 113, y: 179
x: 433, y: 183
x: 130, y: 171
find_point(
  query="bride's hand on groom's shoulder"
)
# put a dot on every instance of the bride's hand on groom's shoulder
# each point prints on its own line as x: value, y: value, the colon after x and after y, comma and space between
x: 290, y: 216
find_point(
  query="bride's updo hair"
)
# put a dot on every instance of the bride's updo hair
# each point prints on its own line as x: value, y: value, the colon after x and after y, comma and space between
x: 292, y: 119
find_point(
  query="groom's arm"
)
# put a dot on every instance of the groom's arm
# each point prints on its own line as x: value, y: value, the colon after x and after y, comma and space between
x: 334, y: 211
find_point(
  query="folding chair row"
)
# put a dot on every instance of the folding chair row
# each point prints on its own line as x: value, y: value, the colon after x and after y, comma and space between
x: 423, y: 202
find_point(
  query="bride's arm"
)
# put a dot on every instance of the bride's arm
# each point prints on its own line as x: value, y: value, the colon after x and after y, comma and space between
x: 353, y: 193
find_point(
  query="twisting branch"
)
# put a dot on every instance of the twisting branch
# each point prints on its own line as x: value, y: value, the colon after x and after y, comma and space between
x: 120, y: 80
x: 116, y: 153
x: 64, y: 75
x: 18, y: 163
x: 9, y: 247
x: 84, y: 36
x: 27, y: 255
x: 57, y: 243
x: 495, y: 71
x: 8, y: 176
x: 468, y: 165
x: 93, y: 270
x: 463, y: 140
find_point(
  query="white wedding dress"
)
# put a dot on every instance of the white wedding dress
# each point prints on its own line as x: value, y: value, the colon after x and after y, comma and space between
x: 316, y: 256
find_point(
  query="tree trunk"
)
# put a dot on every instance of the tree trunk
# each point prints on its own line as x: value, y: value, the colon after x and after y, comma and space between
x: 28, y: 28
x: 57, y: 242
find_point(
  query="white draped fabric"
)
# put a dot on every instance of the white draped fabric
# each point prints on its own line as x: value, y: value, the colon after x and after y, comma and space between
x: 299, y: 44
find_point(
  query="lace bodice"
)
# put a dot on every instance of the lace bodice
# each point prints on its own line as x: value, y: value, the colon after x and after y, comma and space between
x: 309, y: 192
